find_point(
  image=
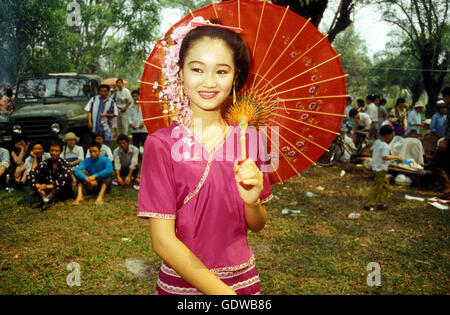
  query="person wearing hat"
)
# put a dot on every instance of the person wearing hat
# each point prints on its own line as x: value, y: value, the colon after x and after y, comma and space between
x: 71, y: 152
x: 414, y: 121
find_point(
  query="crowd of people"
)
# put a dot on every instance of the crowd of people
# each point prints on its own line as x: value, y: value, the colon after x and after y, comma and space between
x: 405, y: 128
x: 64, y: 169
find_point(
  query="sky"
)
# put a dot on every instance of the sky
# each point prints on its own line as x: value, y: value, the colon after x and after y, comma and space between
x: 367, y: 21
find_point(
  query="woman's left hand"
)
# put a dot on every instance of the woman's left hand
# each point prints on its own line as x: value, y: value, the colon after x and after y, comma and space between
x: 247, y: 174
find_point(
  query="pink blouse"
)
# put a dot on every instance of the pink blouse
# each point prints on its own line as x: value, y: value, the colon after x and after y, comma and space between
x: 182, y: 180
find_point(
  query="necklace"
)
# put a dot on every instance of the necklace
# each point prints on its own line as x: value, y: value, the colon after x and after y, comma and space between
x: 211, y: 144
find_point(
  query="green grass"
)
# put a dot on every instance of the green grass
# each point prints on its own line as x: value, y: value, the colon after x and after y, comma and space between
x: 318, y: 251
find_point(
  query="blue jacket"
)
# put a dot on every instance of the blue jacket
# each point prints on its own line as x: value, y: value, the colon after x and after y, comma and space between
x: 101, y: 168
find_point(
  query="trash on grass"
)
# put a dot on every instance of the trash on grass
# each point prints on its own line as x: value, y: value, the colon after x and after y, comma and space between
x: 125, y: 239
x: 438, y: 205
x: 354, y: 216
x: 414, y: 198
x: 309, y: 194
x: 136, y: 187
x: 287, y: 211
x: 436, y: 199
x: 320, y: 188
x: 342, y: 173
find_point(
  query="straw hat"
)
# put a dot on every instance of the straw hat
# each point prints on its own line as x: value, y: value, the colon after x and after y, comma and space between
x: 70, y: 136
x: 418, y: 105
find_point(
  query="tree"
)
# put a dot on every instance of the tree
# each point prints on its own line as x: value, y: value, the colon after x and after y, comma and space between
x: 354, y: 61
x: 37, y: 39
x: 30, y: 31
x: 426, y: 24
x: 396, y: 67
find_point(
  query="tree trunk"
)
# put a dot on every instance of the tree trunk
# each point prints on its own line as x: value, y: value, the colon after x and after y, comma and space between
x: 432, y: 80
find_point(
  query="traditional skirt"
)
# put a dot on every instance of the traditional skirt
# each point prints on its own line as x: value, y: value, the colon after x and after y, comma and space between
x: 244, y: 280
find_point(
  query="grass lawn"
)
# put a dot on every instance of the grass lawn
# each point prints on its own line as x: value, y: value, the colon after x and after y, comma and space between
x: 318, y: 251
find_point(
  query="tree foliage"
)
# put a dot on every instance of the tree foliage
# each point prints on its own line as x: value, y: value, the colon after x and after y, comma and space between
x: 354, y: 61
x: 426, y: 25
x: 397, y: 69
x: 37, y: 39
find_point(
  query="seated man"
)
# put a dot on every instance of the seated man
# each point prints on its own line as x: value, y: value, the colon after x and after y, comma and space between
x: 4, y: 164
x: 126, y: 158
x: 361, y: 125
x: 37, y: 155
x: 104, y: 150
x: 51, y: 178
x: 94, y: 173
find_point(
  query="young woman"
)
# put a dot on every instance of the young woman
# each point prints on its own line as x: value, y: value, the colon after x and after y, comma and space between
x: 198, y: 208
x: 397, y: 116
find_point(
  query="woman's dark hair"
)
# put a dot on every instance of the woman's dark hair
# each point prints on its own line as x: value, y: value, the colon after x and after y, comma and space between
x: 35, y: 142
x: 383, y: 101
x: 241, y: 56
x: 386, y: 130
x: 135, y: 92
x: 105, y: 86
x: 400, y: 100
x: 56, y: 143
x: 360, y: 102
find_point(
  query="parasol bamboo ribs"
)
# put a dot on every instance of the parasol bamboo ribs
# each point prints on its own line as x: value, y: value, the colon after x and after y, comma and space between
x: 271, y: 43
x: 303, y: 137
x: 157, y: 117
x: 304, y: 72
x: 295, y: 147
x: 311, y: 98
x: 259, y: 27
x: 299, y: 121
x: 214, y: 7
x: 150, y: 64
x: 296, y: 59
x: 309, y: 111
x: 282, y: 53
x: 310, y: 84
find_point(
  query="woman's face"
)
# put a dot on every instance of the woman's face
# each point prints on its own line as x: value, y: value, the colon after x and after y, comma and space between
x: 38, y: 150
x: 208, y: 74
x: 71, y: 143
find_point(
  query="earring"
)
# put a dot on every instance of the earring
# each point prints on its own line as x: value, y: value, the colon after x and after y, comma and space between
x: 234, y: 93
x: 181, y: 92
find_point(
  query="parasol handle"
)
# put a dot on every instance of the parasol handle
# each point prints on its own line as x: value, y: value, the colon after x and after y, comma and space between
x: 243, y: 123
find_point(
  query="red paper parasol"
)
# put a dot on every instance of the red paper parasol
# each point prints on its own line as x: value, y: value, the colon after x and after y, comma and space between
x: 112, y: 82
x: 294, y: 71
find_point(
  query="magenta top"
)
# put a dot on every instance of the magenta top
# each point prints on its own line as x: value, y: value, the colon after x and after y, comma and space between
x: 182, y: 180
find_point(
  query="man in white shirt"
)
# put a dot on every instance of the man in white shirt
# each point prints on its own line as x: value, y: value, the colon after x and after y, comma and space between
x: 415, y: 121
x: 104, y: 150
x: 123, y: 100
x: 361, y: 125
x: 4, y: 163
x: 372, y: 111
x: 126, y: 161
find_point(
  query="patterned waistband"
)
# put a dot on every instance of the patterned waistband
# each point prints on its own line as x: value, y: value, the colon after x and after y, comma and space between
x: 222, y: 272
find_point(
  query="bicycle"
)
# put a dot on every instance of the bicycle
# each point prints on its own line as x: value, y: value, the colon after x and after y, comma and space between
x: 339, y: 147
